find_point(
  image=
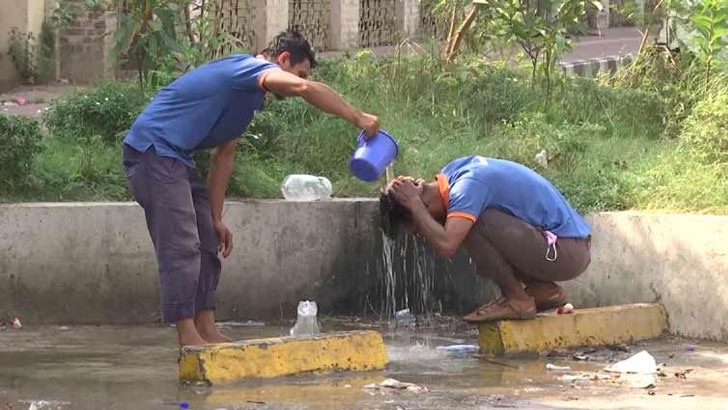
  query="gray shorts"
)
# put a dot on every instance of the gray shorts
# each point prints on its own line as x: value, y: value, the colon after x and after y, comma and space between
x: 177, y: 211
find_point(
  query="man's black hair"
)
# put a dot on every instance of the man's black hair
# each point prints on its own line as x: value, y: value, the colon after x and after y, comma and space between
x: 394, y: 217
x: 293, y: 42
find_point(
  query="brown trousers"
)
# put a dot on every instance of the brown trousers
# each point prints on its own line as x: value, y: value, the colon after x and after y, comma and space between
x: 501, y: 244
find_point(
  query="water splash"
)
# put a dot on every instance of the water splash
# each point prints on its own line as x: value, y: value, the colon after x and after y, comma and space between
x: 406, y: 276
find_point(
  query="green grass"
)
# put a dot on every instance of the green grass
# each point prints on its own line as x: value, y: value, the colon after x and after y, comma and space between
x: 613, y: 147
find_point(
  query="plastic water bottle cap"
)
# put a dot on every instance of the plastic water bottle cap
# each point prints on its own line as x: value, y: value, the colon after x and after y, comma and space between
x: 184, y: 405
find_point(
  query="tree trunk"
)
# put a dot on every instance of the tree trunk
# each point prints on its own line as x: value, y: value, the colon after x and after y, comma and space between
x: 464, y: 27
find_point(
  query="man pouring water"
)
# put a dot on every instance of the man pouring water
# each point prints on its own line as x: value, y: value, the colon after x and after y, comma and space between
x: 210, y: 107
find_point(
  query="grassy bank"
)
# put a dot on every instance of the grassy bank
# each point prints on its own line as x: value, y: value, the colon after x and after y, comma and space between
x: 612, y: 146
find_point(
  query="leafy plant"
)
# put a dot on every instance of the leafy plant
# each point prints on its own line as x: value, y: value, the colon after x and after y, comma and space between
x: 47, y: 55
x: 711, y: 22
x: 203, y: 41
x: 705, y: 131
x: 63, y: 14
x: 107, y: 111
x: 541, y: 29
x: 147, y: 32
x: 20, y: 138
x: 22, y: 52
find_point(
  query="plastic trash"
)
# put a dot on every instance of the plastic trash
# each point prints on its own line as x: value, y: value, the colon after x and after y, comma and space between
x: 247, y: 323
x: 404, y: 317
x: 690, y: 348
x: 306, y: 188
x: 184, y: 405
x: 459, y: 349
x: 641, y: 363
x: 16, y: 323
x: 574, y: 377
x: 45, y: 404
x: 555, y: 368
x: 392, y: 384
x: 371, y: 158
x: 566, y: 309
x: 542, y: 159
x: 306, y: 324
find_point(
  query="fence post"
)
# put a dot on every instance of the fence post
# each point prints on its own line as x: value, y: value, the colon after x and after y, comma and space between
x: 271, y: 19
x: 344, y: 24
x: 408, y: 18
x: 603, y: 15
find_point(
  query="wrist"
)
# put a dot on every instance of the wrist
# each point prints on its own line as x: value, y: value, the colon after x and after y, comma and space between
x: 355, y: 117
x: 418, y: 207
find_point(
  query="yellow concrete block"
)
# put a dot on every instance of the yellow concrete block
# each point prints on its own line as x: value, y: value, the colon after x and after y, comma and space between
x: 584, y: 327
x: 265, y: 358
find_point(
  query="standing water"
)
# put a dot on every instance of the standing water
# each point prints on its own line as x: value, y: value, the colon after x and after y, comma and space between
x: 306, y: 324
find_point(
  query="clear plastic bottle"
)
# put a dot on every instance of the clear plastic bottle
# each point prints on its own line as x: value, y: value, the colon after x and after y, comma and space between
x: 306, y: 324
x: 306, y: 188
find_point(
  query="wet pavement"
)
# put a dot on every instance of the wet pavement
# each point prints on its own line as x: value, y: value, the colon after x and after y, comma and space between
x: 135, y: 367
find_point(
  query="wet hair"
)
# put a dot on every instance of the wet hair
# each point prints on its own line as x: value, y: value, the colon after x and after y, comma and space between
x: 293, y: 42
x: 393, y: 216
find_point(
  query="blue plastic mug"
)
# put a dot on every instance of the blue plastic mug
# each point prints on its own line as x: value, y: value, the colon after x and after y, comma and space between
x: 372, y: 157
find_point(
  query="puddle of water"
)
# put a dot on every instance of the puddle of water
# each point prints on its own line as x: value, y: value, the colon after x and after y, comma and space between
x: 135, y: 368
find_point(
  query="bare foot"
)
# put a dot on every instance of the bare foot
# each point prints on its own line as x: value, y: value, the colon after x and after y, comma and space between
x: 192, y: 341
x: 205, y: 324
x: 187, y: 334
x: 215, y: 337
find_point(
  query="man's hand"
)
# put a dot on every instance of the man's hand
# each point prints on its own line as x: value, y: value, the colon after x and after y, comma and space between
x: 369, y: 123
x: 407, y: 191
x: 224, y: 239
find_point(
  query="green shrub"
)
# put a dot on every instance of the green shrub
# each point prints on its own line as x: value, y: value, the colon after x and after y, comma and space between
x: 20, y: 139
x: 705, y: 131
x: 107, y: 110
x: 622, y: 112
x: 498, y: 94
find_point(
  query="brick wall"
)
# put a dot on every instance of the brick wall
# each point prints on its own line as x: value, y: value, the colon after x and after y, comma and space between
x: 85, y: 46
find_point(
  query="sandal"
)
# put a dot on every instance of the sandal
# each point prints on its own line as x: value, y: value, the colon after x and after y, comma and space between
x: 499, y: 309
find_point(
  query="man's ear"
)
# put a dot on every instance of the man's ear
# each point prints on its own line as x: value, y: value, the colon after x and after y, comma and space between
x: 284, y: 59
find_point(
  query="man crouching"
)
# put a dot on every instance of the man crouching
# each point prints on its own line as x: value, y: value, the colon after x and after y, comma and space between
x: 517, y: 227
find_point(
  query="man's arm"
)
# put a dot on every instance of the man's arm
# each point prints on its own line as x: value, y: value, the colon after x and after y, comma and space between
x: 217, y: 180
x: 320, y: 96
x: 445, y: 240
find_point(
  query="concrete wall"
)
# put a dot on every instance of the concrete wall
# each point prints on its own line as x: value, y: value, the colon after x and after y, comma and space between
x: 13, y: 13
x: 25, y: 15
x: 93, y: 263
x: 680, y: 261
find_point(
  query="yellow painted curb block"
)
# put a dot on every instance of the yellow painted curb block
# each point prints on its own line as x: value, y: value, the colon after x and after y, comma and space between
x: 265, y: 358
x: 584, y: 327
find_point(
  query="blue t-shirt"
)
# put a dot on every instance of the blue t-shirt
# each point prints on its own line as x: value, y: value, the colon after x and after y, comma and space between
x: 470, y: 185
x: 204, y: 108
